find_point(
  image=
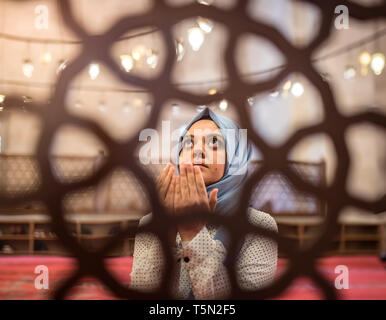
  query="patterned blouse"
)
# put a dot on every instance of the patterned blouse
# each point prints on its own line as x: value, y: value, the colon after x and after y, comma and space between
x: 200, y: 261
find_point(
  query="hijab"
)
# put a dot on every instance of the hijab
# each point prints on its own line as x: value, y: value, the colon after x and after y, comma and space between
x: 238, y: 154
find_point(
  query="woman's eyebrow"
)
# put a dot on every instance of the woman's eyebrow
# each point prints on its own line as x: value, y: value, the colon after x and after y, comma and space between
x: 188, y: 135
x: 218, y: 135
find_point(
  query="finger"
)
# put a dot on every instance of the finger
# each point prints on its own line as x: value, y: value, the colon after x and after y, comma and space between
x: 177, y: 193
x: 191, y: 180
x: 166, y: 183
x: 200, y: 184
x: 213, y: 199
x: 184, y: 183
x: 169, y: 199
x: 163, y: 173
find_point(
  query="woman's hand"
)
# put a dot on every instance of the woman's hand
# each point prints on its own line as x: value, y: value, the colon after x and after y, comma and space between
x: 166, y: 190
x: 165, y: 187
x: 191, y: 196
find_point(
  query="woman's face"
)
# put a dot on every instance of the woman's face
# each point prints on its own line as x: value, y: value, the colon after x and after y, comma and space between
x: 204, y: 146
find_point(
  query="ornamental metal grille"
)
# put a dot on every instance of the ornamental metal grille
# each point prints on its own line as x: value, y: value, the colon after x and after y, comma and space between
x: 52, y: 191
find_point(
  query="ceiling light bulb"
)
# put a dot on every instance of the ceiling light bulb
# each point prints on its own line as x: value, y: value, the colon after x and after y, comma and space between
x: 378, y: 63
x: 2, y: 97
x: 127, y: 62
x: 349, y: 72
x: 138, y: 102
x: 46, y: 58
x: 287, y: 85
x: 138, y: 52
x: 152, y: 59
x: 28, y: 68
x: 196, y: 38
x: 364, y: 60
x: 223, y: 105
x: 205, y: 2
x: 212, y: 91
x: 206, y: 25
x: 180, y: 49
x: 297, y: 89
x: 93, y: 70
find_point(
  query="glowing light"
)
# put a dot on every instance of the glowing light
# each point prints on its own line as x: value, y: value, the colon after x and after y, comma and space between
x: 180, y: 49
x: 138, y: 102
x: 287, y: 85
x: 297, y: 89
x: 205, y: 2
x: 2, y: 97
x: 274, y: 94
x: 138, y: 52
x: 206, y: 25
x: 212, y: 91
x: 349, y: 73
x: 196, y: 38
x: 152, y: 59
x: 378, y: 63
x: 28, y: 68
x: 364, y: 60
x: 251, y: 101
x: 93, y: 70
x: 127, y: 62
x: 46, y: 58
x: 223, y: 105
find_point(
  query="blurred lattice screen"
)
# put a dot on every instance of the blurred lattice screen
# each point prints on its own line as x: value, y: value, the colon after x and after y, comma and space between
x: 121, y: 192
x: 67, y: 188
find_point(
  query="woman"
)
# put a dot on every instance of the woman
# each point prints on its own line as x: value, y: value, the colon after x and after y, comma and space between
x: 212, y: 166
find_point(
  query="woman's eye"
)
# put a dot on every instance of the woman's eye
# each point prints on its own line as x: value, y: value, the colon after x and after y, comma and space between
x: 213, y: 142
x: 187, y: 143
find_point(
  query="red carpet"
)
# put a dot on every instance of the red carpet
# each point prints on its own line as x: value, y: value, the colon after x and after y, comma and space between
x: 367, y: 278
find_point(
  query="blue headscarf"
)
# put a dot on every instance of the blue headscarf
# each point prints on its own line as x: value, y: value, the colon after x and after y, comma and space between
x: 238, y: 154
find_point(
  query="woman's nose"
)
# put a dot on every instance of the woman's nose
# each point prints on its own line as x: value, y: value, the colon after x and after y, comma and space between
x: 198, y: 152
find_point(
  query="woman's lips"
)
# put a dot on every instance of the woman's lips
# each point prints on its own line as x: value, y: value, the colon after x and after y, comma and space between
x: 200, y: 165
